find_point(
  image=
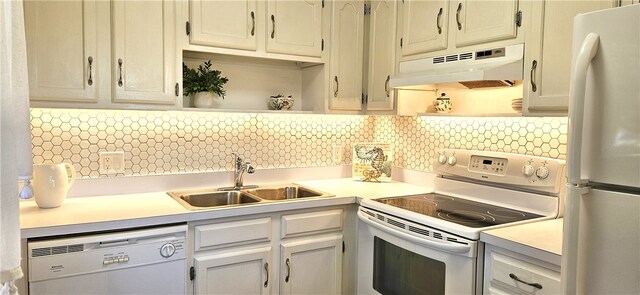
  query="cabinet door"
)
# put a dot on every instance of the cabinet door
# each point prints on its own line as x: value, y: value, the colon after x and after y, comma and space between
x: 294, y: 27
x: 484, y: 21
x: 234, y: 272
x: 311, y: 266
x: 144, y: 51
x: 346, y: 55
x: 424, y: 26
x: 230, y: 24
x: 382, y: 53
x: 548, y: 56
x: 61, y: 49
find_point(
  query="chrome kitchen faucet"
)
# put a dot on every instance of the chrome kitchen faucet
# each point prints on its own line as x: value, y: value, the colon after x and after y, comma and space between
x: 238, y: 173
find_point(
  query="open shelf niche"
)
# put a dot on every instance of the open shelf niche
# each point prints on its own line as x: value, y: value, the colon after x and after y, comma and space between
x: 253, y: 80
x: 478, y: 102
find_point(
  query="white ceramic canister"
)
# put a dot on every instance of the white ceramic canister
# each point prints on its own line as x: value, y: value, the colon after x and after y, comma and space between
x: 442, y: 104
x: 51, y: 183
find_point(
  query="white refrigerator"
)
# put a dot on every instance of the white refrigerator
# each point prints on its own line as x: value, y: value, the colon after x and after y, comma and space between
x: 601, y: 245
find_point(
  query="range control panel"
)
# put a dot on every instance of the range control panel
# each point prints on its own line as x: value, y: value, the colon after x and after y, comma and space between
x: 488, y: 165
x: 514, y: 170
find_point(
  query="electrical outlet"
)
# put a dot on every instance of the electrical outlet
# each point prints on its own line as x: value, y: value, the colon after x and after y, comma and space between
x: 111, y: 162
x: 337, y: 154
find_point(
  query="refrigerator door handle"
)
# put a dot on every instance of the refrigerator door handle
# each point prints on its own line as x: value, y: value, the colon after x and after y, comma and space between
x: 587, y: 52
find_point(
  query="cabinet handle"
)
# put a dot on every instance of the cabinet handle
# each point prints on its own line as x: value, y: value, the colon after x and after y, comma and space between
x: 288, y: 263
x: 535, y: 285
x: 458, y: 16
x: 335, y: 93
x: 438, y: 21
x: 534, y: 65
x: 386, y: 85
x: 273, y: 26
x: 120, y: 70
x: 266, y: 269
x: 253, y: 23
x: 90, y: 80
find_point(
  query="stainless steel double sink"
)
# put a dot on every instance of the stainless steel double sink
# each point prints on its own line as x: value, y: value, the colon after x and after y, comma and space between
x: 211, y: 198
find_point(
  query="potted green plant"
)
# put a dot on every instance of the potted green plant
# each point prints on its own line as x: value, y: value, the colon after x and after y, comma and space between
x: 204, y: 83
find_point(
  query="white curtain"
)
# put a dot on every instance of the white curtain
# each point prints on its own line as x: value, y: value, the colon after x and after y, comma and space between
x: 15, y: 138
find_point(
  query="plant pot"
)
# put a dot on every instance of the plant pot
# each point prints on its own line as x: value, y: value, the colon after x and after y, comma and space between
x: 205, y: 99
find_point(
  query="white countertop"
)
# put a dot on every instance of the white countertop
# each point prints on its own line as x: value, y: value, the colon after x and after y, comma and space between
x: 542, y: 240
x: 87, y: 214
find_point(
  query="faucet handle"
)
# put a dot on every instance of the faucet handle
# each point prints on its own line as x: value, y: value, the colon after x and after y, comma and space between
x: 250, y: 168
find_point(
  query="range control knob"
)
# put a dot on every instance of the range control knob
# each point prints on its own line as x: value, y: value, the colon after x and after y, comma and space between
x: 527, y: 170
x: 452, y: 160
x: 542, y: 172
x: 442, y: 159
x: 167, y: 250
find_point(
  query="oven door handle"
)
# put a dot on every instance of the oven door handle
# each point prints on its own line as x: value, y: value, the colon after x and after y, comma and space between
x: 446, y: 246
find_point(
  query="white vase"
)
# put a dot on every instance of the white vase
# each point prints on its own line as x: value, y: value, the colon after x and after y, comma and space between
x: 205, y: 99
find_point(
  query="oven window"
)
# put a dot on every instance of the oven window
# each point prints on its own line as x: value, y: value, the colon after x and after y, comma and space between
x: 399, y: 271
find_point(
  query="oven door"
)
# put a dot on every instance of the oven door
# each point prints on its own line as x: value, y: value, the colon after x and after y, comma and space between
x: 396, y: 256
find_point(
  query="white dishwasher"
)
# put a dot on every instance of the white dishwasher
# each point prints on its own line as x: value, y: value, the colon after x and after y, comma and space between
x: 145, y: 261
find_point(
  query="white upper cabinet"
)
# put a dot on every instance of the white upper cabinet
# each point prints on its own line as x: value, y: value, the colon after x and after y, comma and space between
x: 144, y: 45
x: 295, y: 27
x: 424, y: 26
x: 382, y: 54
x: 484, y: 21
x: 548, y: 54
x: 347, y: 35
x: 62, y: 50
x: 228, y: 24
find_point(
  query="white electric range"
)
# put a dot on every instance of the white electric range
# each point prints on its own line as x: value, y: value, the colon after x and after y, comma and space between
x: 429, y: 243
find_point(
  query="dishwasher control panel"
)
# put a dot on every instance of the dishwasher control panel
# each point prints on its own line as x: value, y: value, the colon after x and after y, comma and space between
x: 49, y: 259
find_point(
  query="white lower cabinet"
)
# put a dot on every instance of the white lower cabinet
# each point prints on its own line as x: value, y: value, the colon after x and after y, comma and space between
x: 311, y: 265
x: 507, y: 272
x: 244, y: 271
x: 239, y: 256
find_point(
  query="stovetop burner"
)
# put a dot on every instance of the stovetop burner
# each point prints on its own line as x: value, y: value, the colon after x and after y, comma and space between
x: 456, y: 210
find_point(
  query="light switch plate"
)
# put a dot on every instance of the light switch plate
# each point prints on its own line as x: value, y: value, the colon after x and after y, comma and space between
x: 111, y: 162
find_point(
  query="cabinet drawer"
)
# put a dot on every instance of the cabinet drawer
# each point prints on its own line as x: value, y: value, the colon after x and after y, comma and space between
x: 313, y: 222
x: 232, y: 233
x: 505, y: 269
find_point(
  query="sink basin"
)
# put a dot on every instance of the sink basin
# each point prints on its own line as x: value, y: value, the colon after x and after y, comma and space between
x: 287, y: 192
x: 208, y: 199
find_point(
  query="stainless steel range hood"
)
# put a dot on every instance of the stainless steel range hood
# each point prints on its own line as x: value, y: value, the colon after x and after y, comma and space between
x: 483, y: 68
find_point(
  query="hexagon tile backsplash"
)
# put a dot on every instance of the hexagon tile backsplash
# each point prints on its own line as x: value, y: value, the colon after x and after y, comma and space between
x: 416, y: 139
x: 156, y: 142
